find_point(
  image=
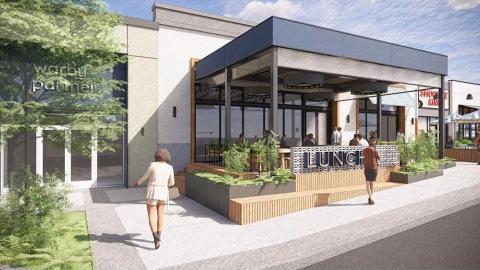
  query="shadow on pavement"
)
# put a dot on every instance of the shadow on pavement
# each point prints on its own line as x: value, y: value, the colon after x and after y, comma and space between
x: 191, y: 208
x: 345, y: 204
x: 125, y: 239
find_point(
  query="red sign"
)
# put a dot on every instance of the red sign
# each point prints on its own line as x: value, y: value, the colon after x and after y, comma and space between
x: 428, y: 98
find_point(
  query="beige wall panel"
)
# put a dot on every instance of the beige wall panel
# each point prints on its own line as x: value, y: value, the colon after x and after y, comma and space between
x: 142, y: 113
x: 120, y: 32
x: 142, y: 42
x: 354, y: 68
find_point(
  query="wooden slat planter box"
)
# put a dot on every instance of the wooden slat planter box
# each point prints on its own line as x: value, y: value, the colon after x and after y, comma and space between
x: 253, y: 209
x: 216, y: 196
x: 468, y: 155
x: 412, y: 178
x: 334, y: 179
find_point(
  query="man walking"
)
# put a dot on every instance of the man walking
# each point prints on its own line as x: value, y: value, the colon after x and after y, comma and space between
x: 370, y: 163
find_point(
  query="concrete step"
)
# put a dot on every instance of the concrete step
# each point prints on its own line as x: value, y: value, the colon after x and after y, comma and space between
x: 253, y: 209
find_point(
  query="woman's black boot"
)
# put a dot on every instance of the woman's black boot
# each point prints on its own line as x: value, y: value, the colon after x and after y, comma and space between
x: 156, y: 239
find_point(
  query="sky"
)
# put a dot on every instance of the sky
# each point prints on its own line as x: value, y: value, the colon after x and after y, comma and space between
x: 450, y: 27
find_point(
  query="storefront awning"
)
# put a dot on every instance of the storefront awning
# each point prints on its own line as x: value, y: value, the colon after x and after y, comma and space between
x: 395, y: 97
x: 470, y: 118
x: 448, y: 119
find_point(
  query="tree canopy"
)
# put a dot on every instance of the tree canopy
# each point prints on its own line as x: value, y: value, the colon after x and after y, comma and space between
x: 55, y: 57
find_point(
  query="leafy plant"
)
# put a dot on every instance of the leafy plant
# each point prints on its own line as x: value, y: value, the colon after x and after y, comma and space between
x: 32, y: 208
x: 420, y: 155
x: 283, y: 175
x: 235, y: 158
x: 267, y: 152
x: 263, y: 178
x: 463, y: 141
x: 70, y: 249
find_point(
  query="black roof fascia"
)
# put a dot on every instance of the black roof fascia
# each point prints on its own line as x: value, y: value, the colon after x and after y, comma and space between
x: 310, y: 38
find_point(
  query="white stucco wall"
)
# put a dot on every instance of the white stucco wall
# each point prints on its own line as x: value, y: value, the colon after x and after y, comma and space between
x: 345, y: 108
x: 459, y: 93
x: 176, y: 48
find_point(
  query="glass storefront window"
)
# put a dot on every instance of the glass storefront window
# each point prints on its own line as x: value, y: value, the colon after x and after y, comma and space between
x: 253, y: 123
x: 110, y: 165
x: 207, y: 128
x: 293, y: 99
x: 293, y: 127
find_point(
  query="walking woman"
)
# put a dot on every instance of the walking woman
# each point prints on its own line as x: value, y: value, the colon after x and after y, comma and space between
x: 160, y: 176
x: 370, y: 163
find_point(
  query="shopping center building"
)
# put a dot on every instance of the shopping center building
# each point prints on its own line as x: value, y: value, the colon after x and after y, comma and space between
x: 197, y: 81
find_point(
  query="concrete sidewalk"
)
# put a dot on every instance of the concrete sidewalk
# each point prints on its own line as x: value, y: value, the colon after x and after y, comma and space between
x: 196, y: 237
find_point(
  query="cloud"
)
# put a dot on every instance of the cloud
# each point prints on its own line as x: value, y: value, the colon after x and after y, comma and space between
x: 258, y: 11
x: 463, y: 4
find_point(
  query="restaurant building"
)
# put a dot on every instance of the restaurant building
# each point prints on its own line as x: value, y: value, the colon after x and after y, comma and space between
x: 197, y: 81
x: 465, y: 100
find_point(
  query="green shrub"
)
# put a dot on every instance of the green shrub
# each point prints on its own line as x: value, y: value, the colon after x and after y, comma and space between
x: 283, y: 175
x: 32, y: 207
x: 236, y: 158
x: 267, y: 152
x: 463, y: 141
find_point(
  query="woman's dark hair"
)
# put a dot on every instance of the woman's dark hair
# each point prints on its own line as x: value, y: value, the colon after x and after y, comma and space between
x: 163, y: 154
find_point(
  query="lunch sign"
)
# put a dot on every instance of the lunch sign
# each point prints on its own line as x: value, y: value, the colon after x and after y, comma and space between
x: 338, y: 158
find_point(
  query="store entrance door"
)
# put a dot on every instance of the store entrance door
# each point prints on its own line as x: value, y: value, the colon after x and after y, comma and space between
x: 317, y: 124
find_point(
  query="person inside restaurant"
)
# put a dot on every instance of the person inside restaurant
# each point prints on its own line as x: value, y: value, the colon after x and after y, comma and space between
x: 283, y: 142
x: 309, y: 140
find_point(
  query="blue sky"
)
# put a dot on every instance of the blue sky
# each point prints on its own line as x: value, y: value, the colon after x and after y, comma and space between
x: 450, y: 27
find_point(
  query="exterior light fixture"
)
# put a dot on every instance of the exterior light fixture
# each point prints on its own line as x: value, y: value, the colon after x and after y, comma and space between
x: 174, y: 112
x: 469, y: 97
x: 348, y: 118
x: 412, y: 121
x: 304, y: 81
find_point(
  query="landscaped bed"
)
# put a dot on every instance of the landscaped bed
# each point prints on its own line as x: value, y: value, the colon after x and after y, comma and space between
x: 71, y: 250
x: 419, y: 160
x: 215, y: 191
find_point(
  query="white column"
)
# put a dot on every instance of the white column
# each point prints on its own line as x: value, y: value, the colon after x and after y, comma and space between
x: 94, y: 156
x: 39, y: 152
x: 68, y: 156
x: 2, y: 162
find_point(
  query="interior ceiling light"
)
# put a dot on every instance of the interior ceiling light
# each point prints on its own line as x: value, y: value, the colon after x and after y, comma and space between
x: 303, y: 81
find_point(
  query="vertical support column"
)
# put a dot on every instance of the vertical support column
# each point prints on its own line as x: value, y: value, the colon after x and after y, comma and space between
x: 416, y: 111
x: 357, y: 117
x: 273, y: 125
x: 379, y: 116
x: 2, y: 161
x: 193, y: 111
x: 441, y: 118
x: 68, y: 155
x: 228, y: 107
x: 94, y: 156
x: 39, y: 151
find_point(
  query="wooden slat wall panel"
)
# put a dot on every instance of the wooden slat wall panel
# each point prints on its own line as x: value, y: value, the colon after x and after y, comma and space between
x: 468, y: 155
x: 253, y: 209
x: 326, y: 180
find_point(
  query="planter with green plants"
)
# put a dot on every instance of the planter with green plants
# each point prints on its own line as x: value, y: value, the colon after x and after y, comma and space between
x: 419, y: 159
x: 215, y: 191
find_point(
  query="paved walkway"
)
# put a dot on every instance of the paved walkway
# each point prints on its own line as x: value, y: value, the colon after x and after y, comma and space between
x: 197, y: 238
